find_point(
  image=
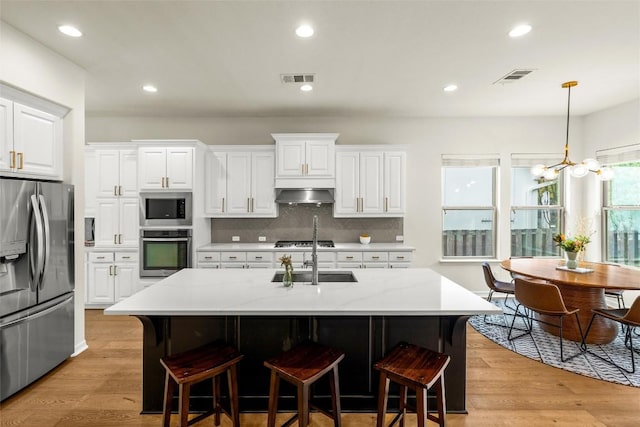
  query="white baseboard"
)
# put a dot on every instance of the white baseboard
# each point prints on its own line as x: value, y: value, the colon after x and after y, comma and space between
x: 79, y: 348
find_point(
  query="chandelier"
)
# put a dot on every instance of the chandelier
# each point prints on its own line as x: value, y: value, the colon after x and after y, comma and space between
x: 577, y: 170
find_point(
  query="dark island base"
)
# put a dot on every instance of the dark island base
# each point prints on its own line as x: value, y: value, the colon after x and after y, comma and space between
x: 364, y: 339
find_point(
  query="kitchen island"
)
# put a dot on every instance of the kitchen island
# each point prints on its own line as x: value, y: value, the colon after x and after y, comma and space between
x: 262, y: 318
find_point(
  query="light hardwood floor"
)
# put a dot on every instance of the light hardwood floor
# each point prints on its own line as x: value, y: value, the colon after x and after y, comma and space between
x: 101, y: 387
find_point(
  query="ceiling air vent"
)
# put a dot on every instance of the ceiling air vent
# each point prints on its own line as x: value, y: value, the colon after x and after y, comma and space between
x: 297, y: 78
x: 513, y: 76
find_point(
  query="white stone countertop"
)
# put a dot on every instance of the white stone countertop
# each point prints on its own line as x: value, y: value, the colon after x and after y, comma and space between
x: 270, y: 247
x: 250, y: 292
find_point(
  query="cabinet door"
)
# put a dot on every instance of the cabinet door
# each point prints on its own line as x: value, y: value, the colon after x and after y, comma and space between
x: 106, y: 223
x: 128, y: 173
x: 107, y: 172
x: 238, y: 183
x: 100, y: 285
x: 125, y: 280
x: 215, y: 183
x: 128, y: 225
x: 394, y: 182
x: 37, y: 140
x: 6, y: 133
x: 180, y: 168
x: 90, y: 182
x: 263, y: 184
x: 320, y: 159
x: 290, y: 158
x: 371, y: 182
x: 152, y: 165
x: 347, y: 183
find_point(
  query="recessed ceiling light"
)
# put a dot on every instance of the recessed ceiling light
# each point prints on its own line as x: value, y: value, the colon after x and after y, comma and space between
x: 450, y: 88
x: 520, y: 30
x: 304, y: 31
x: 149, y: 88
x: 306, y: 88
x: 70, y: 31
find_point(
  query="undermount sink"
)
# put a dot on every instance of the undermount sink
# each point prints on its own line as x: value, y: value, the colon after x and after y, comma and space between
x: 323, y: 276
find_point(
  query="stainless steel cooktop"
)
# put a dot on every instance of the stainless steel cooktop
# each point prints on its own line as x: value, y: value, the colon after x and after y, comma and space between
x: 303, y: 244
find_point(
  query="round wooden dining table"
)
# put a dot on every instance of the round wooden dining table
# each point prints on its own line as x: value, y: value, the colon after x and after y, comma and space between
x: 579, y: 289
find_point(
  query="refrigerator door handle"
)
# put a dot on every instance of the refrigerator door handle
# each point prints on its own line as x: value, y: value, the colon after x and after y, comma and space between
x: 47, y: 238
x: 36, y: 315
x: 37, y: 269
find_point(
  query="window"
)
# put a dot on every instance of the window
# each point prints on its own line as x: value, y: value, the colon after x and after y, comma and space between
x: 621, y: 210
x: 536, y: 209
x: 469, y: 206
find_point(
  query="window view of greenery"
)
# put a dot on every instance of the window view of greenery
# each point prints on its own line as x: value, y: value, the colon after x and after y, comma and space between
x: 622, y: 215
x: 468, y: 211
x: 536, y: 214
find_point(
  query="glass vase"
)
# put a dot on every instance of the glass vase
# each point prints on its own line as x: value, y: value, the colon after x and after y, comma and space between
x: 572, y: 262
x: 287, y: 277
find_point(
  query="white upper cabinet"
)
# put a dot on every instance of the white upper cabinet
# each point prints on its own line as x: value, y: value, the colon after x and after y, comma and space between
x: 369, y: 182
x: 116, y: 222
x: 240, y: 183
x: 305, y: 160
x: 116, y: 172
x: 165, y: 168
x: 30, y: 141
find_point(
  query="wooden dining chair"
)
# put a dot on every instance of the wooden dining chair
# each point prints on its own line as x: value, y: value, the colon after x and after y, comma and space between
x: 546, y: 299
x: 629, y: 317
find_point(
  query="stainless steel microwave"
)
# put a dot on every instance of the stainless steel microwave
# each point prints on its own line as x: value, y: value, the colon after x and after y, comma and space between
x: 166, y: 209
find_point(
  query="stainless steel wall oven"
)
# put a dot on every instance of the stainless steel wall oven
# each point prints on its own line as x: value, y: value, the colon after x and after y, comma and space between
x: 163, y: 252
x: 166, y: 209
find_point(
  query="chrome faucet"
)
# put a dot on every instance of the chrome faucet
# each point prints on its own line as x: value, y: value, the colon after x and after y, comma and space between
x: 314, y: 253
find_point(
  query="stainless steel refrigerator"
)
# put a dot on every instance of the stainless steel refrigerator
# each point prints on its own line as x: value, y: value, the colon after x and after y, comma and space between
x: 36, y: 280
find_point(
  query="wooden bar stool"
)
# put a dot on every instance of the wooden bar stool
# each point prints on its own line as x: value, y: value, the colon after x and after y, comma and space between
x: 302, y: 366
x: 193, y: 366
x: 416, y: 368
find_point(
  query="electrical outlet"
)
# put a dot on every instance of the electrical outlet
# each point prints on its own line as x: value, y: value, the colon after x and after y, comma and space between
x: 235, y: 238
x: 262, y: 238
x: 399, y: 238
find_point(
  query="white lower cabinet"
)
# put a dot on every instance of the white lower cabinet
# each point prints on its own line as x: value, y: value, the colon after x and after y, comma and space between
x: 208, y: 260
x: 112, y: 277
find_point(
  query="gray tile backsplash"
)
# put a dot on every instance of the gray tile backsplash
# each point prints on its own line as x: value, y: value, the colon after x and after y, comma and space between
x: 295, y: 223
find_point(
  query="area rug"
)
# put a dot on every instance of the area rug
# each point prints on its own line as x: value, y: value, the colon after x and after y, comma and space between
x: 545, y: 348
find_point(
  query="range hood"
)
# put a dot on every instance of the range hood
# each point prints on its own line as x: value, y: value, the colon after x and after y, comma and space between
x: 304, y: 195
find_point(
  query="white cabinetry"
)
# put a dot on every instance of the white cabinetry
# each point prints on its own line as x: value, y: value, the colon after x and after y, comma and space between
x: 30, y: 141
x: 112, y: 194
x: 165, y: 168
x: 304, y: 160
x: 377, y: 259
x: 113, y: 276
x: 240, y: 183
x: 370, y: 183
x: 208, y: 260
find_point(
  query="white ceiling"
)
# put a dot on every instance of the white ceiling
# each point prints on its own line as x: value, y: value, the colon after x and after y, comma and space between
x: 370, y: 58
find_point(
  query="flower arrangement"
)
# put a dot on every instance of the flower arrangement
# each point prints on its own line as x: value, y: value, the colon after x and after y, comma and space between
x: 287, y: 278
x: 576, y: 244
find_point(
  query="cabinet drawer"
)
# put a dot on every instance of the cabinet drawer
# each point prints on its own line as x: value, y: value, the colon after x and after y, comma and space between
x: 233, y: 256
x: 101, y: 257
x: 208, y: 257
x: 374, y: 256
x: 399, y: 265
x: 296, y: 257
x: 259, y: 257
x: 400, y: 256
x: 349, y: 256
x: 349, y: 265
x: 375, y: 265
x: 126, y: 257
x: 208, y: 265
x: 232, y: 265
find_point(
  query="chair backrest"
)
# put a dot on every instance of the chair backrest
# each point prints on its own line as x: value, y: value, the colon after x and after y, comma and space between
x: 633, y: 315
x: 544, y: 298
x: 488, y: 275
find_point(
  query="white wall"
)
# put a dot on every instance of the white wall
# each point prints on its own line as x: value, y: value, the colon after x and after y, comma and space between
x: 34, y: 68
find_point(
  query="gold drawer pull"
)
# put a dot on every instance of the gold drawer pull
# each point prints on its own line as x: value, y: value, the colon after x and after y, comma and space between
x: 20, y: 160
x: 208, y: 257
x: 399, y: 257
x: 349, y: 257
x: 232, y: 257
x: 12, y: 161
x: 375, y: 257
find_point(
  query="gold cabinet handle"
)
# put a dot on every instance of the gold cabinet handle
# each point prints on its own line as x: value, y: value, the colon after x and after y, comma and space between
x: 167, y: 180
x: 115, y: 239
x: 126, y: 257
x: 119, y: 190
x: 248, y: 204
x: 375, y: 257
x: 223, y: 204
x: 120, y: 238
x: 20, y: 161
x: 232, y: 257
x: 302, y: 166
x: 111, y: 270
x: 115, y: 190
x: 399, y: 257
x: 208, y: 257
x: 163, y: 182
x: 307, y: 169
x: 258, y: 257
x: 100, y: 257
x: 252, y: 209
x: 12, y: 161
x: 386, y: 204
x: 349, y: 257
x: 115, y: 270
